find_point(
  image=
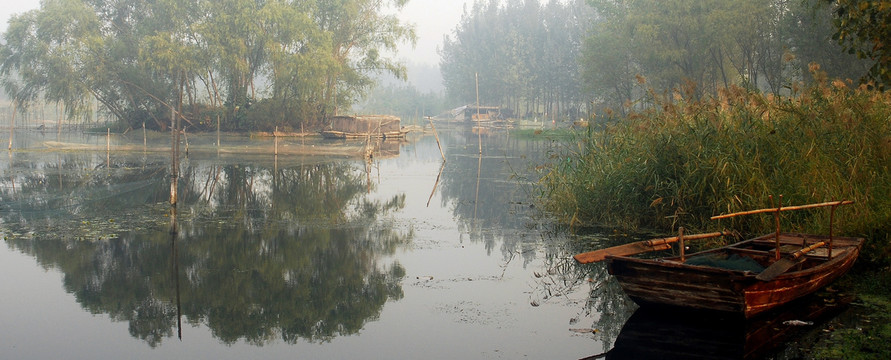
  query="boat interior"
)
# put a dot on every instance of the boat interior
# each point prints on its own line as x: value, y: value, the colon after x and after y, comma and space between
x: 756, y: 255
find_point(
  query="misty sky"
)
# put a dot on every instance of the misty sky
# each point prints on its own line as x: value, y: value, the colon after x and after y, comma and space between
x: 432, y: 20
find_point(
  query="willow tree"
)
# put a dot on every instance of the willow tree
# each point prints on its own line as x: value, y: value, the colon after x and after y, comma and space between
x: 141, y: 58
x: 42, y: 58
x: 360, y: 31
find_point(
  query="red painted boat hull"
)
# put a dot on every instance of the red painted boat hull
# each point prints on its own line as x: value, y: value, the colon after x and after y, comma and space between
x: 670, y: 282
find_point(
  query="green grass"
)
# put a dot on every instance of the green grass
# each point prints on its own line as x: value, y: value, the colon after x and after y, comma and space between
x: 865, y: 331
x: 561, y: 133
x: 682, y: 161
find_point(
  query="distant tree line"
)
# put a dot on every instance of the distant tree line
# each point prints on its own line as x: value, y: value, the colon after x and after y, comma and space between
x: 703, y: 46
x: 524, y: 53
x: 405, y: 101
x: 412, y: 101
x: 245, y: 64
x: 565, y: 56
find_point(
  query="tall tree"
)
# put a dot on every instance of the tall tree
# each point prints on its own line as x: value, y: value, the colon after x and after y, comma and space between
x: 359, y: 31
x: 864, y: 28
x: 704, y: 46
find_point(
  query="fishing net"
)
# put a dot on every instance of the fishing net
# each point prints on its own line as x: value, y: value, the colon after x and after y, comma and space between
x: 727, y: 261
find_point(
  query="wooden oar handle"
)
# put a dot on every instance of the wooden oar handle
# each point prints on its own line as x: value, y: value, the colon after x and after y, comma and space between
x: 808, y: 249
x: 669, y: 240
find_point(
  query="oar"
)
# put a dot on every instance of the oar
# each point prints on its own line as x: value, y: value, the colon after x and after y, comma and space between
x: 640, y: 247
x: 786, y: 263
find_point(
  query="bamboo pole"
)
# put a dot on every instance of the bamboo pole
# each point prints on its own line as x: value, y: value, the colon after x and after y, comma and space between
x: 174, y: 165
x: 218, y: 131
x: 186, y: 138
x: 59, y: 116
x: 681, y: 244
x: 787, y: 208
x: 479, y: 129
x: 776, y: 217
x: 436, y: 135
x: 436, y: 184
x: 15, y: 106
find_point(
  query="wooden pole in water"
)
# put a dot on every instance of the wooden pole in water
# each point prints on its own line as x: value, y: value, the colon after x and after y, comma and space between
x: 173, y: 158
x: 15, y: 107
x: 479, y: 130
x: 436, y: 135
x: 59, y: 126
x: 108, y: 147
x: 144, y: 138
x: 218, y: 131
x: 275, y: 140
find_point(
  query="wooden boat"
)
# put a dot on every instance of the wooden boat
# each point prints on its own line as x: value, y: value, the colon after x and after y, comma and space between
x: 724, y: 279
x: 747, y: 278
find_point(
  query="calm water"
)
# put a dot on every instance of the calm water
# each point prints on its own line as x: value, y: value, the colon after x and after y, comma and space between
x: 306, y: 256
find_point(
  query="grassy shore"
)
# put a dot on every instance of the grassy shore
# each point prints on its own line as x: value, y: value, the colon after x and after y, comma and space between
x: 682, y: 161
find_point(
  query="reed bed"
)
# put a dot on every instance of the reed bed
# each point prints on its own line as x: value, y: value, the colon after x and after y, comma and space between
x: 682, y: 161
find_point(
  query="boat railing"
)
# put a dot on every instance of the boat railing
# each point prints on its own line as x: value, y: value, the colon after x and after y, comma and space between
x: 776, y: 211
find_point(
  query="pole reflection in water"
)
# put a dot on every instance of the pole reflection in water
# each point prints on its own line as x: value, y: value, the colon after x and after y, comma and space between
x: 174, y: 259
x: 174, y: 227
x: 436, y: 183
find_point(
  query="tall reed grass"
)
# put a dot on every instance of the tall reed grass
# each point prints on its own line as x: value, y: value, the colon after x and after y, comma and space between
x: 682, y: 161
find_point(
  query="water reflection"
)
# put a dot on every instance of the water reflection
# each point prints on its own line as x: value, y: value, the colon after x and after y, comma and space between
x: 482, y: 191
x: 652, y: 334
x: 263, y: 253
x: 290, y: 249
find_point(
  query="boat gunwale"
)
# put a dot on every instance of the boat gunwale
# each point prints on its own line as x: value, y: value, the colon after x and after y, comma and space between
x: 743, y: 284
x: 844, y: 250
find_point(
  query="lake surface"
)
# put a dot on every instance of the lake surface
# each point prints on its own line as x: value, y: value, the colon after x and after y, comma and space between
x: 309, y: 254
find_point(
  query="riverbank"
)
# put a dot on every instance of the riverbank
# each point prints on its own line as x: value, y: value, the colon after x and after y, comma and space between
x: 682, y: 160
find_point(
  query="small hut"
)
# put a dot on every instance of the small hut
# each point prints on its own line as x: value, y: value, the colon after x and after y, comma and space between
x: 361, y: 126
x: 482, y: 113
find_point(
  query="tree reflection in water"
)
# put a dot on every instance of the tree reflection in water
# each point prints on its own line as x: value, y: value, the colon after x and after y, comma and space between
x: 263, y: 255
x: 484, y: 216
x: 288, y: 251
x: 606, y: 304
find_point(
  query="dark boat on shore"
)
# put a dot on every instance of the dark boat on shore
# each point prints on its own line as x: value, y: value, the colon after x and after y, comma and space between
x: 745, y: 278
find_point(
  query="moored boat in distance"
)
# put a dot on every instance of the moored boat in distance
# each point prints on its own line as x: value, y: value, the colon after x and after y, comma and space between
x: 363, y: 126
